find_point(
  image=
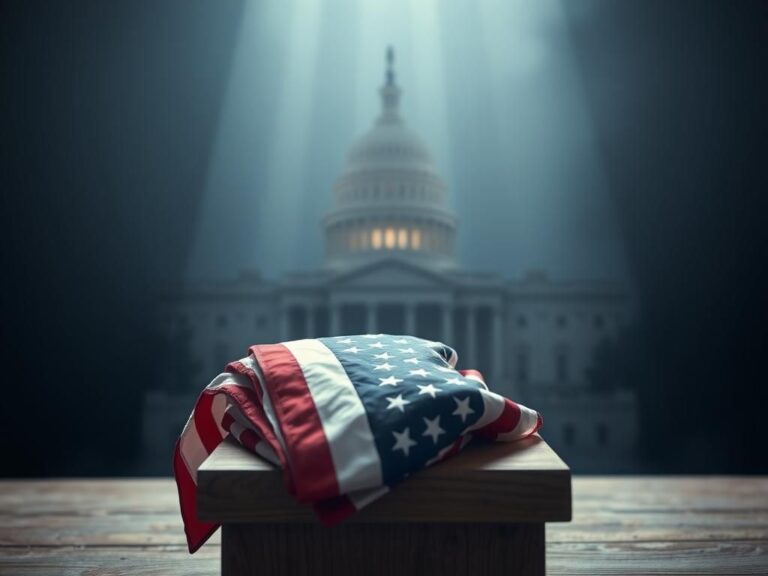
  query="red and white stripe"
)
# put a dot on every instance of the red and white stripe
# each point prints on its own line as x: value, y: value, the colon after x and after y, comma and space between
x: 294, y: 405
x: 501, y: 419
x: 228, y: 405
x: 330, y: 447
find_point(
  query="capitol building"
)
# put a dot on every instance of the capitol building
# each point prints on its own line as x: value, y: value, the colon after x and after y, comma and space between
x: 391, y: 267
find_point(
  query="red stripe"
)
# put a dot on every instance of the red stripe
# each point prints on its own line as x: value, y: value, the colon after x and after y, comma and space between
x: 309, y: 456
x: 197, y: 531
x: 249, y: 439
x: 226, y: 421
x: 240, y: 368
x: 205, y: 423
x: 473, y: 373
x: 252, y: 409
x: 506, y: 421
x: 539, y: 424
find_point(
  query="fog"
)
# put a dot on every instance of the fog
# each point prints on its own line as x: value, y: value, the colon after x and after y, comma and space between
x: 492, y: 87
x: 147, y: 143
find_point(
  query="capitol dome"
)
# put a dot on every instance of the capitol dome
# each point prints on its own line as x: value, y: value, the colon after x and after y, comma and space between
x: 390, y: 200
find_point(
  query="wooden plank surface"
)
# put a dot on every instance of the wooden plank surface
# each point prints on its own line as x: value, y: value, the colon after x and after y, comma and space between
x: 621, y: 525
x: 521, y: 481
x: 478, y: 549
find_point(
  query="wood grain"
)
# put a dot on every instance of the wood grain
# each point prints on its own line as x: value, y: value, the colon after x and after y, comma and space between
x: 588, y: 558
x: 604, y: 493
x: 621, y: 525
x: 501, y: 482
x: 383, y: 549
x: 112, y: 561
x: 638, y: 558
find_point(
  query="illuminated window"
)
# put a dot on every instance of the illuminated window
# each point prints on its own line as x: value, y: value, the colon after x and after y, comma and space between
x: 402, y: 238
x: 416, y: 239
x: 353, y: 245
x: 376, y: 239
x: 389, y: 238
x: 364, y: 239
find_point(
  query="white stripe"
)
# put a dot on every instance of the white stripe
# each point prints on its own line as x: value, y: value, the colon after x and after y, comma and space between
x: 192, y: 450
x: 218, y: 408
x: 230, y: 379
x: 342, y: 414
x: 236, y: 429
x: 526, y: 424
x: 266, y: 401
x: 241, y: 424
x: 264, y: 450
x: 493, y: 406
x: 453, y: 359
x: 477, y: 379
x: 221, y: 401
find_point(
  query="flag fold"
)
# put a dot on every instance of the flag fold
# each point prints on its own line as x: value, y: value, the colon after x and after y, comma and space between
x: 345, y: 418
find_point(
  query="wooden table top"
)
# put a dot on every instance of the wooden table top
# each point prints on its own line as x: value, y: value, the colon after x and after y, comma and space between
x: 621, y: 525
x: 507, y: 482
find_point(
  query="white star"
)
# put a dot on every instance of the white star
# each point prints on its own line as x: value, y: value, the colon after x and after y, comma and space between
x: 407, y: 350
x: 389, y: 381
x: 433, y: 428
x: 462, y: 408
x: 455, y: 380
x: 397, y: 402
x: 445, y: 369
x: 400, y: 341
x: 403, y: 441
x: 411, y: 360
x: 383, y: 356
x: 372, y: 336
x: 420, y: 372
x: 385, y: 366
x: 428, y: 389
x: 345, y: 341
x: 353, y: 350
x: 376, y: 345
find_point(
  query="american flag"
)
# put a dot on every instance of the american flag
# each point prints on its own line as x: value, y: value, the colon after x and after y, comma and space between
x: 346, y: 418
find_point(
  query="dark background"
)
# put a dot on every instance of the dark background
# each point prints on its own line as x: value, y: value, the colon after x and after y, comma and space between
x: 102, y: 182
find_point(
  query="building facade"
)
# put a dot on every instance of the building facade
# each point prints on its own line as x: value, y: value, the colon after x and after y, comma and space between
x: 391, y: 268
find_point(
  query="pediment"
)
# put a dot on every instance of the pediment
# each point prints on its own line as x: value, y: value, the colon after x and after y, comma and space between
x: 391, y: 274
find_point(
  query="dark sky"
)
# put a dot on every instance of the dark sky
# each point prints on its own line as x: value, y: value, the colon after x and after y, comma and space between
x: 591, y: 138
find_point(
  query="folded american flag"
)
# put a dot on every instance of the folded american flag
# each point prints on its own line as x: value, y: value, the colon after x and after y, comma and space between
x: 346, y: 418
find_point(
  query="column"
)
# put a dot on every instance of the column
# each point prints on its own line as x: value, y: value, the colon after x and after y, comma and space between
x: 370, y: 320
x: 410, y: 319
x: 471, y: 338
x: 334, y: 313
x: 284, y: 322
x: 309, y: 322
x: 447, y: 324
x: 498, y: 343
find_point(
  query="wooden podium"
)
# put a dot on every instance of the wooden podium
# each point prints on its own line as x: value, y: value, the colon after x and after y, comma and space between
x: 479, y: 513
